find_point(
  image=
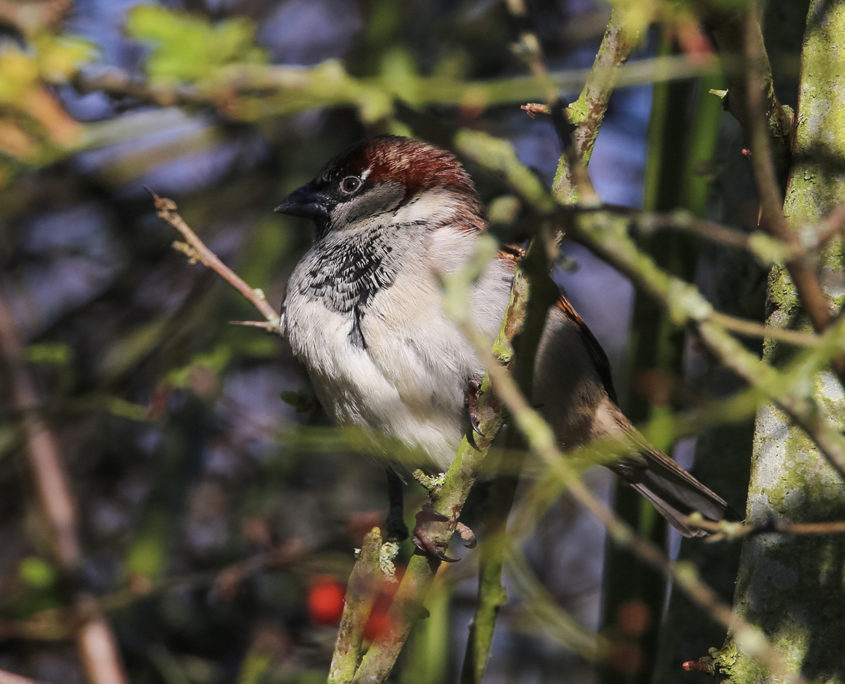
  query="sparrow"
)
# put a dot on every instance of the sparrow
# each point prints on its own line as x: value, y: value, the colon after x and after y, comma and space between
x: 363, y: 313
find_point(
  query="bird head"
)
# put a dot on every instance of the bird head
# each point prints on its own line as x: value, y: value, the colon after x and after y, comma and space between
x: 390, y: 178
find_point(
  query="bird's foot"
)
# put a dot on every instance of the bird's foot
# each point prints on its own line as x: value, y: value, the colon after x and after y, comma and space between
x: 423, y: 540
x: 466, y: 534
x: 471, y: 404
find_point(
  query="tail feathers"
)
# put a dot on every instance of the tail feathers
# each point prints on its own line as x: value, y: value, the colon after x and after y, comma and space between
x: 673, y: 491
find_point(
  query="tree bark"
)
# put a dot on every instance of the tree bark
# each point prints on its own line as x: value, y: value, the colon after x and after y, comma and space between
x: 794, y: 587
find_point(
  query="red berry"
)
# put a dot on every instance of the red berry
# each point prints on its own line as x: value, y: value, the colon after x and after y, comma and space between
x: 325, y: 600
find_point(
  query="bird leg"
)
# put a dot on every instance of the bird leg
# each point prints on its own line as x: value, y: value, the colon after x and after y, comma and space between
x: 395, y: 528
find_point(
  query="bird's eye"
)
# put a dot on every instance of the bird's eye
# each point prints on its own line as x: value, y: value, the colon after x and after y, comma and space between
x: 350, y: 184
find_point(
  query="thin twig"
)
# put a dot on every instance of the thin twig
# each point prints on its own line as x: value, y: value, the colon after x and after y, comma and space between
x: 530, y: 50
x: 197, y: 250
x: 607, y: 236
x: 725, y: 529
x: 767, y: 250
x: 256, y: 91
x: 687, y: 305
x: 749, y: 328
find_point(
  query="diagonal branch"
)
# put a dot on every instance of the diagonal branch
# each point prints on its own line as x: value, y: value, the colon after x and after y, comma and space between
x: 586, y: 114
x: 196, y: 250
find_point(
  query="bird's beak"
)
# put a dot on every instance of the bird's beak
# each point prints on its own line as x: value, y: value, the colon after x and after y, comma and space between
x: 304, y: 201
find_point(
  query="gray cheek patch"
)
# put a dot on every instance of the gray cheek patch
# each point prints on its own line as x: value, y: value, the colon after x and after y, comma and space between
x: 369, y: 205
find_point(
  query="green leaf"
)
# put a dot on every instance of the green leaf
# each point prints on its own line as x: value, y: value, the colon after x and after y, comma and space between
x: 59, y: 57
x: 214, y: 360
x: 36, y: 572
x: 46, y: 353
x: 191, y: 48
x: 18, y: 75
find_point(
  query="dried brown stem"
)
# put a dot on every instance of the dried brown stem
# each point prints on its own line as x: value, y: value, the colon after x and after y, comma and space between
x: 196, y: 250
x: 95, y: 641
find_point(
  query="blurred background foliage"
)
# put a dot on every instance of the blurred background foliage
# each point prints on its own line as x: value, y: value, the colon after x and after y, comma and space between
x: 216, y: 506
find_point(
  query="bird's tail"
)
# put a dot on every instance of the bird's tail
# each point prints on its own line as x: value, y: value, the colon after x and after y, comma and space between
x: 673, y: 491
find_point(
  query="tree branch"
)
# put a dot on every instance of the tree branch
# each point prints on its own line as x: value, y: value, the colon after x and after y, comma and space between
x: 606, y: 235
x: 587, y: 112
x: 738, y: 38
x: 733, y: 530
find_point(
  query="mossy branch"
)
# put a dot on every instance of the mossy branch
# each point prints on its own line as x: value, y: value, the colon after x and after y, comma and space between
x: 586, y: 116
x: 587, y: 112
x: 251, y: 92
x: 361, y: 591
x: 449, y: 499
